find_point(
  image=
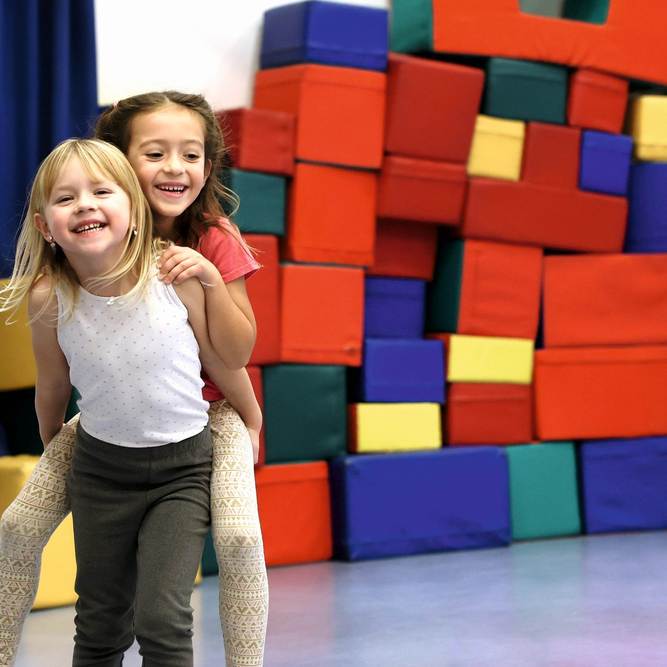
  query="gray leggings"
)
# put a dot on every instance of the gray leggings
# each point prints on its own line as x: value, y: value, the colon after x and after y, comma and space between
x: 140, y: 519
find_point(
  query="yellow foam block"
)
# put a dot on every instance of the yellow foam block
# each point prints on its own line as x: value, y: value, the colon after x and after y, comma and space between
x: 497, y: 148
x: 17, y: 364
x: 648, y: 125
x: 490, y: 359
x: 394, y: 427
x: 56, y: 584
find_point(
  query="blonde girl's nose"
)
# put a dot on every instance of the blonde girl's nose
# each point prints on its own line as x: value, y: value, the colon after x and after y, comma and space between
x: 86, y: 201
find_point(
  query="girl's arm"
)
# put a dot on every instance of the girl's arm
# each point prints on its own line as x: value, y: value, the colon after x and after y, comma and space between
x: 230, y: 320
x: 234, y: 384
x: 53, y: 387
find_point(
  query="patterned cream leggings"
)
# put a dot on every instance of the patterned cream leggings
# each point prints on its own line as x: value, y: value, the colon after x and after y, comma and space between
x: 42, y: 504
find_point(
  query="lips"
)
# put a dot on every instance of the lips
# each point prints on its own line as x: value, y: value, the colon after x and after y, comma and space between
x: 89, y: 226
x: 171, y: 189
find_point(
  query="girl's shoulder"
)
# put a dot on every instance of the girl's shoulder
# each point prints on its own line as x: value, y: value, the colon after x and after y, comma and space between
x: 222, y: 245
x: 42, y: 298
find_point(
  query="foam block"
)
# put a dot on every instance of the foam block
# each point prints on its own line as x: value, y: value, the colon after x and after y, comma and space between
x: 568, y: 220
x: 262, y: 197
x: 18, y: 417
x: 305, y: 412
x: 295, y: 512
x: 597, y: 101
x: 497, y: 148
x: 259, y: 140
x: 411, y: 26
x: 330, y: 33
x: 647, y: 223
x: 339, y: 111
x: 487, y: 289
x: 4, y: 443
x: 403, y: 371
x: 623, y: 484
x: 648, y: 125
x: 551, y: 155
x: 605, y: 162
x: 394, y: 427
x: 17, y: 363
x: 600, y: 392
x: 440, y: 127
x: 492, y: 414
x: 543, y: 490
x: 318, y: 231
x: 489, y: 359
x: 58, y: 568
x: 401, y: 504
x: 630, y: 43
x: 322, y: 314
x: 404, y: 250
x: 421, y: 190
x: 394, y: 308
x: 525, y: 90
x: 264, y: 294
x: 605, y: 300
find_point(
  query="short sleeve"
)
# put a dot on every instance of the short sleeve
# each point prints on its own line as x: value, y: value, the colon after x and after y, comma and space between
x: 229, y: 256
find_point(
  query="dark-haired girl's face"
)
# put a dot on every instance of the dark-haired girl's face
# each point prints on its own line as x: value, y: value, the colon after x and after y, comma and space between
x: 166, y: 151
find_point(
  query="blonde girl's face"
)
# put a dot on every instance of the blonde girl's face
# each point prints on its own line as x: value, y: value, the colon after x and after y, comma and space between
x: 166, y: 151
x: 88, y: 216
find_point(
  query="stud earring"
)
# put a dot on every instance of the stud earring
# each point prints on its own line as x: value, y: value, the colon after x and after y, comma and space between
x: 134, y: 231
x: 52, y: 244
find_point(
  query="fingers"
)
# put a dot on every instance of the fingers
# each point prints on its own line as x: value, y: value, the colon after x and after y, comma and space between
x: 184, y: 269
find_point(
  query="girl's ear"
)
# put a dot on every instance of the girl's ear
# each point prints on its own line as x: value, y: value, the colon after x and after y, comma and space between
x: 207, y: 169
x: 42, y: 227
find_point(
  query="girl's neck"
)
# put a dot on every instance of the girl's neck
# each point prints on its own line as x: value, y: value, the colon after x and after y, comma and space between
x: 165, y: 227
x: 86, y: 271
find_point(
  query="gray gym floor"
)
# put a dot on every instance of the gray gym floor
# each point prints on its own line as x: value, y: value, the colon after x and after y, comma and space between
x: 579, y: 602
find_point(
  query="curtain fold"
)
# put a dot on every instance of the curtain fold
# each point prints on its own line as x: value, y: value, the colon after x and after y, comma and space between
x: 48, y: 92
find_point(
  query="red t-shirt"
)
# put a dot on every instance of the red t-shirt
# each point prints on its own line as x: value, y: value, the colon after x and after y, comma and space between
x: 233, y: 261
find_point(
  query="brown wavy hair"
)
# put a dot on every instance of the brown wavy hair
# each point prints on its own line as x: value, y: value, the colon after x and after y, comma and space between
x: 114, y: 125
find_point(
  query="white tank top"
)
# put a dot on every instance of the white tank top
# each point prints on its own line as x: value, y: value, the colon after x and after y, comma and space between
x: 136, y: 367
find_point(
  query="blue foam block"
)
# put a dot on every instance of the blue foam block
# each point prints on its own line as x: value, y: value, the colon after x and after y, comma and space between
x: 394, y: 308
x: 329, y: 33
x: 647, y: 220
x: 403, y: 371
x: 624, y: 484
x: 393, y: 505
x: 605, y: 162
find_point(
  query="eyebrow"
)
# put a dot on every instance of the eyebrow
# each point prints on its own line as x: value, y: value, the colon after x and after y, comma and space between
x: 165, y: 141
x: 68, y: 186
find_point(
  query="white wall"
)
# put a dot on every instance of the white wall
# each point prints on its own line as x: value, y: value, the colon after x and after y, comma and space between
x: 201, y: 46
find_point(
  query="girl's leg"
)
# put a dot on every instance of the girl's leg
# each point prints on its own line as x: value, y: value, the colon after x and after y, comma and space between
x: 237, y: 537
x: 25, y: 528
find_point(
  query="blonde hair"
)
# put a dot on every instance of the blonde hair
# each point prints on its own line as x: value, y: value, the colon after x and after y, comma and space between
x: 34, y: 257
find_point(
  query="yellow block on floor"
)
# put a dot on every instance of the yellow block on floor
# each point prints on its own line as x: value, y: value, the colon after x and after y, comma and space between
x: 497, y: 148
x: 648, y: 126
x: 490, y: 359
x: 56, y: 586
x: 17, y: 364
x: 394, y: 427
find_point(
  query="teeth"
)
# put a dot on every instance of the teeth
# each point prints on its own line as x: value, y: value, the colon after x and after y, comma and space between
x: 87, y: 228
x: 172, y: 188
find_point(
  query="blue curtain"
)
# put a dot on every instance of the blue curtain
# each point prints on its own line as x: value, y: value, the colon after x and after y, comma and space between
x: 48, y: 92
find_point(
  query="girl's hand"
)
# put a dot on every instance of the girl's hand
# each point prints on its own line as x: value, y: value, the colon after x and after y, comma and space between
x: 178, y: 263
x: 254, y: 439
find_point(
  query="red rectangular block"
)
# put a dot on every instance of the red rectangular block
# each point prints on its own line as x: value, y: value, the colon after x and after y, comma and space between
x: 603, y: 392
x: 481, y: 413
x: 259, y: 139
x: 548, y: 217
x: 597, y: 101
x: 264, y: 294
x: 295, y: 512
x: 421, y: 190
x: 431, y: 108
x: 331, y: 216
x: 404, y: 250
x: 605, y: 300
x: 255, y: 375
x: 500, y: 290
x: 551, y: 155
x: 323, y: 314
x: 339, y: 111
